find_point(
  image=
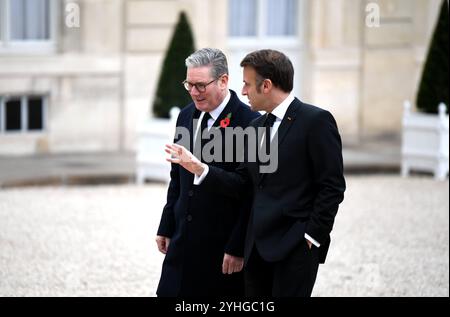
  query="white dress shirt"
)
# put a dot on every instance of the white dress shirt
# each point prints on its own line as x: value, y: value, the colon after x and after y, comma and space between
x: 214, y: 115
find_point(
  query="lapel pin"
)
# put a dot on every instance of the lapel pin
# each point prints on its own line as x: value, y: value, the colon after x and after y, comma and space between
x: 289, y: 118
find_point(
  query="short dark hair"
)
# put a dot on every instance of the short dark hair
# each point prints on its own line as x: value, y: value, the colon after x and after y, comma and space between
x: 273, y: 65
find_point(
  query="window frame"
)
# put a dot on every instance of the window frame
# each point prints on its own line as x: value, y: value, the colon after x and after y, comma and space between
x: 24, y: 114
x: 8, y: 46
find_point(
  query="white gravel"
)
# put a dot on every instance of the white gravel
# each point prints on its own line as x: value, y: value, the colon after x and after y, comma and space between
x: 391, y: 238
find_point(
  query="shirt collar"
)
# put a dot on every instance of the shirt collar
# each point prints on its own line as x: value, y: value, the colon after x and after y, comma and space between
x: 281, y: 109
x: 216, y: 112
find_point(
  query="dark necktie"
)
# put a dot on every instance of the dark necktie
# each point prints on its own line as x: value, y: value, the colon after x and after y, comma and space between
x: 265, y: 145
x: 268, y: 123
x: 199, y: 141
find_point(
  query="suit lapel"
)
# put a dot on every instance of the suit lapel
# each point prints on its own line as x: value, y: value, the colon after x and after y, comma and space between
x: 288, y: 119
x: 195, y: 114
x: 284, y: 127
x: 229, y: 108
x: 190, y: 126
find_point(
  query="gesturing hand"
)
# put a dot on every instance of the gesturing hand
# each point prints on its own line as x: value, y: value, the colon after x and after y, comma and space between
x: 180, y: 155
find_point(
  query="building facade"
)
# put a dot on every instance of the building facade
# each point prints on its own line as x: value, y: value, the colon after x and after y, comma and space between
x: 79, y: 76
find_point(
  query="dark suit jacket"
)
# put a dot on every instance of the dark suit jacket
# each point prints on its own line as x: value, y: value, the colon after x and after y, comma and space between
x: 302, y: 195
x: 203, y: 225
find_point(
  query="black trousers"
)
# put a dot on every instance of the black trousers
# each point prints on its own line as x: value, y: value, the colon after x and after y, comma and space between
x: 294, y: 276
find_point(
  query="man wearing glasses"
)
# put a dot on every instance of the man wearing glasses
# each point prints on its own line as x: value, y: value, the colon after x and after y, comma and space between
x: 204, y: 249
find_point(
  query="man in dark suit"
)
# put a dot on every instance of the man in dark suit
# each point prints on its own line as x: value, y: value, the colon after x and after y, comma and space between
x: 293, y: 207
x: 202, y: 233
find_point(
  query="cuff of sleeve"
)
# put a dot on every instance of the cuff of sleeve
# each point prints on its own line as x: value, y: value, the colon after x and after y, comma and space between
x: 199, y: 179
x: 308, y: 237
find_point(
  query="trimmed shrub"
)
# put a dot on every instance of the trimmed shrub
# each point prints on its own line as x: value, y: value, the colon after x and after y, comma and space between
x: 434, y: 86
x: 170, y: 93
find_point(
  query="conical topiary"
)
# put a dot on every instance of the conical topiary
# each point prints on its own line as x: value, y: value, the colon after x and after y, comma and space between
x: 170, y: 93
x: 434, y: 87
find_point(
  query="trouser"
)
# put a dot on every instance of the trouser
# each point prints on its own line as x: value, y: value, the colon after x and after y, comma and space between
x: 294, y: 276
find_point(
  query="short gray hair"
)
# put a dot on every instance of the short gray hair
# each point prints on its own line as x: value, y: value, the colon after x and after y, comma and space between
x: 209, y: 57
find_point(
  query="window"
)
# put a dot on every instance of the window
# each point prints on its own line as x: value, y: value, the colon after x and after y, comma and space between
x: 29, y: 20
x: 262, y: 18
x: 272, y: 24
x: 22, y: 113
x: 26, y: 24
x: 13, y: 115
x: 281, y: 17
x: 35, y: 113
x: 241, y: 18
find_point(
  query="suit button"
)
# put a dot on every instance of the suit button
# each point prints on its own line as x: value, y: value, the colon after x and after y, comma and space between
x: 189, y: 218
x: 260, y: 186
x: 191, y: 193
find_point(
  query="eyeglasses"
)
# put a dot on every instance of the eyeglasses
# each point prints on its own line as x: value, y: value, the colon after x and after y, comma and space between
x: 201, y: 87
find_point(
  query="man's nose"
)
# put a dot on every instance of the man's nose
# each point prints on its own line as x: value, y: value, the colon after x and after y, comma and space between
x: 194, y: 91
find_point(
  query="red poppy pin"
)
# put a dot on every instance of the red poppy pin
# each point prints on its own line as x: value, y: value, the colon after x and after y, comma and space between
x: 226, y: 121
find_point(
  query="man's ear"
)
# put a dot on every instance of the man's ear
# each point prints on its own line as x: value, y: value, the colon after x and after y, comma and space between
x: 223, y: 81
x: 267, y: 86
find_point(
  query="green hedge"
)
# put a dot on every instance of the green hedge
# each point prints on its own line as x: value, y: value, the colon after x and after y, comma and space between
x: 170, y: 93
x: 434, y: 86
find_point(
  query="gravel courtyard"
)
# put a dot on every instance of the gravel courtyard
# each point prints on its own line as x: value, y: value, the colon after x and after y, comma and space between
x: 391, y: 238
